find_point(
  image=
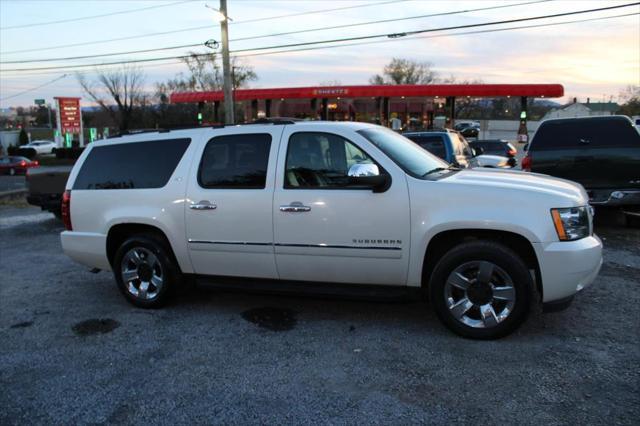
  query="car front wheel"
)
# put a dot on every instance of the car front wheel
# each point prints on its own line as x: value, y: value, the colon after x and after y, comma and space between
x: 145, y: 271
x: 481, y: 290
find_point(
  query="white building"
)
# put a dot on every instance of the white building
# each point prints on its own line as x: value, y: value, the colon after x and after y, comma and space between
x: 578, y: 109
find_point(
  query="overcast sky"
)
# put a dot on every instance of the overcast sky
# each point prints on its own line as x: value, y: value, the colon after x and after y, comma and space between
x: 593, y: 59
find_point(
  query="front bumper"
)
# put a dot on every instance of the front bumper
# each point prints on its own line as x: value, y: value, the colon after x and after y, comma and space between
x: 567, y: 267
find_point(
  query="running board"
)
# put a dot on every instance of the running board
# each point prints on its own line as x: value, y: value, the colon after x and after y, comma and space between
x: 368, y: 292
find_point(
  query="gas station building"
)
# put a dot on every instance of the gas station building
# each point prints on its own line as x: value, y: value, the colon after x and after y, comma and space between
x: 416, y: 105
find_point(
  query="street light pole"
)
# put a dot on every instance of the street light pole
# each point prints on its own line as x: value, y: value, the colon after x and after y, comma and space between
x: 226, y: 67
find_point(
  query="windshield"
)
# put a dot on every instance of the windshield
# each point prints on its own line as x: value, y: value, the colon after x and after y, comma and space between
x: 410, y: 157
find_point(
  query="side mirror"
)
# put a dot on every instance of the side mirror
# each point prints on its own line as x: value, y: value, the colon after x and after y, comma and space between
x: 368, y: 176
x: 525, y: 148
x: 478, y: 151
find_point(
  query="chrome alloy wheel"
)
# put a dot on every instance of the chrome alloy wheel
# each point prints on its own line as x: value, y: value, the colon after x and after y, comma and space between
x: 142, y: 273
x: 479, y: 294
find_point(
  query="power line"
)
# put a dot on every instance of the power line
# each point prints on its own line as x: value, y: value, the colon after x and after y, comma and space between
x: 276, y: 34
x: 346, y: 39
x: 34, y: 88
x: 73, y: 58
x: 84, y: 18
x: 203, y: 27
x: 382, y: 21
x: 313, y: 12
x: 456, y: 27
x: 493, y: 30
x: 25, y: 74
x: 377, y: 41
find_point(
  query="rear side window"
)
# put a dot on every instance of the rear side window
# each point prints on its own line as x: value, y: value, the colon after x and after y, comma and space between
x: 135, y: 165
x: 497, y: 147
x: 433, y: 144
x: 596, y: 133
x: 235, y: 161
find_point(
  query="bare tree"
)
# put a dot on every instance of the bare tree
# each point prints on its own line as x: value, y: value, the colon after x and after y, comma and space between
x: 124, y: 86
x: 204, y: 75
x: 405, y: 71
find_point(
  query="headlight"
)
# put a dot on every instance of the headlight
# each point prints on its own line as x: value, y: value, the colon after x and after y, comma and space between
x: 571, y: 223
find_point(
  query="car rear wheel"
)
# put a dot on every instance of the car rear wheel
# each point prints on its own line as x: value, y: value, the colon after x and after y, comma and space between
x: 481, y: 290
x: 145, y: 271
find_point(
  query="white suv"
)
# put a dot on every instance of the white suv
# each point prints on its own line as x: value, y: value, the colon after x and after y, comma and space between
x: 42, y: 147
x: 332, y: 206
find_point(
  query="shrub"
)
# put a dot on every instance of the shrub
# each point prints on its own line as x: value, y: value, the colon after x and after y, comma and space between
x: 23, y: 138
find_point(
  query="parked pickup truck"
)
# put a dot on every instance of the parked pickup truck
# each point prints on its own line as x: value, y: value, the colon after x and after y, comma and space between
x: 330, y: 207
x: 601, y: 153
x: 45, y: 187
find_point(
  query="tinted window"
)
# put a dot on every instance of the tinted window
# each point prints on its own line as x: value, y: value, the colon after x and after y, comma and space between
x: 496, y: 147
x: 592, y: 133
x: 320, y: 160
x: 433, y: 144
x: 235, y: 161
x: 131, y: 165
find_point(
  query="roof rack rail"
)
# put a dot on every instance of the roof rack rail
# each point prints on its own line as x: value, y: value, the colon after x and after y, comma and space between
x: 271, y: 120
x: 275, y: 120
x: 187, y: 127
x: 134, y: 132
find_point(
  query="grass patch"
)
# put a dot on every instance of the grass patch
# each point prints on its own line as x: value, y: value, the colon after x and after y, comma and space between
x: 14, y: 202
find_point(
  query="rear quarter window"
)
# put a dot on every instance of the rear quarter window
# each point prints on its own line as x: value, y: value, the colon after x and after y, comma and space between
x: 135, y: 165
x: 575, y: 134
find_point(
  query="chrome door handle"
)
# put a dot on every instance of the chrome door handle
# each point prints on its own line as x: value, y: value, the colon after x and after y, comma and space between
x: 203, y: 205
x: 295, y: 207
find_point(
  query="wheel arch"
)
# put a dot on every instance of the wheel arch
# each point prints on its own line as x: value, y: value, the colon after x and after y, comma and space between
x: 443, y: 241
x: 118, y: 233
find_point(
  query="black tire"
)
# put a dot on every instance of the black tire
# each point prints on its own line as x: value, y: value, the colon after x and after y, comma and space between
x: 170, y: 272
x: 482, y: 252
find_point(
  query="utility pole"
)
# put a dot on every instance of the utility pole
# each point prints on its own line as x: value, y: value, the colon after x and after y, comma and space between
x: 49, y: 115
x: 226, y: 66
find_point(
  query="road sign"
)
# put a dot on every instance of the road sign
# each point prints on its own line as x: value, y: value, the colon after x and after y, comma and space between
x: 39, y: 101
x: 69, y: 111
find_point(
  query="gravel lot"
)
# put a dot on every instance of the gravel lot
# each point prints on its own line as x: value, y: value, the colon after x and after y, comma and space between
x: 73, y: 351
x: 9, y: 183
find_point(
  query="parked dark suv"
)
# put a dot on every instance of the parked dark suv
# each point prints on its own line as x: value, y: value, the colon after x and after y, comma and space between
x: 601, y: 153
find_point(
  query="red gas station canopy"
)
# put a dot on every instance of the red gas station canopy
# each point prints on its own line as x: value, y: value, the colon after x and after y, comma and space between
x: 408, y: 90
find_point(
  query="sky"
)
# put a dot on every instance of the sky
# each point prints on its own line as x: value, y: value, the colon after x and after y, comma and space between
x: 595, y: 59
